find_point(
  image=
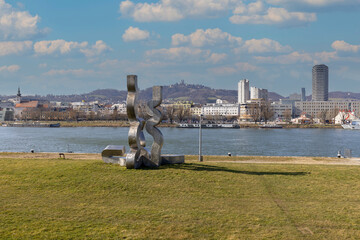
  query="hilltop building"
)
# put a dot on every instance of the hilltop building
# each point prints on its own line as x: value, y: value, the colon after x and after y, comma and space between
x: 320, y: 83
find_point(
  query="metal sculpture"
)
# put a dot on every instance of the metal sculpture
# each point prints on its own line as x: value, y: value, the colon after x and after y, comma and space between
x: 152, y: 123
x: 138, y: 154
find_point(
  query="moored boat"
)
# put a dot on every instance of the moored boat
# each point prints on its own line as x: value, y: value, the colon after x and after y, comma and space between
x: 224, y: 125
x: 354, y: 125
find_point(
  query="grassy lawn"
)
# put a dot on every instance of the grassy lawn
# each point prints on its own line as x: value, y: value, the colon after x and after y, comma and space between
x: 87, y: 199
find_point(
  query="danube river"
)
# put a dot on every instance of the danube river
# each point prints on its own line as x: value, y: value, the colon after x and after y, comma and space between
x: 267, y: 142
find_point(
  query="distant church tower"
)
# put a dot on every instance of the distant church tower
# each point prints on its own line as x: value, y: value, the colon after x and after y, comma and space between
x: 18, y: 96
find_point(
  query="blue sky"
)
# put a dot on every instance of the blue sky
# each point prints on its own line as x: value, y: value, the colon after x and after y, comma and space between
x: 65, y: 47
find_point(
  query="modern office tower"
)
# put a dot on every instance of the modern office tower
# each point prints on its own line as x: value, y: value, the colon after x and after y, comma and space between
x: 320, y: 83
x: 243, y: 91
x: 303, y: 95
x: 257, y: 93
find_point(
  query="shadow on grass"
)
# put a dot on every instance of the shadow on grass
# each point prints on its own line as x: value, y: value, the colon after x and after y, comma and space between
x: 203, y: 167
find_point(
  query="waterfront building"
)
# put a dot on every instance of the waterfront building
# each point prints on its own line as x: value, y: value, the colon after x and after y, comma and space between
x: 258, y: 93
x: 282, y: 110
x: 250, y: 110
x: 120, y: 107
x: 86, y: 107
x: 320, y: 83
x: 183, y: 104
x: 315, y: 107
x: 243, y: 91
x: 6, y: 114
x: 221, y: 109
x: 196, y: 111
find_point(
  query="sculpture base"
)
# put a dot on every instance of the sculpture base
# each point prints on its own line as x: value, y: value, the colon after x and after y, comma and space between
x: 115, y: 160
x: 172, y: 159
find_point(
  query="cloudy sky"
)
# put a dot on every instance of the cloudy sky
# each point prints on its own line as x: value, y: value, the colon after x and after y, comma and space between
x: 64, y: 47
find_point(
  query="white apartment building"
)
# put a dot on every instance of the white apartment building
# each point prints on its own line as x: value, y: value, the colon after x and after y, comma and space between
x: 85, y: 106
x: 120, y: 107
x: 243, y: 91
x: 221, y: 109
x: 257, y: 93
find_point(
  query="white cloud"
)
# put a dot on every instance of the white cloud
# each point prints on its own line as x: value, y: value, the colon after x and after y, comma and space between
x: 77, y: 72
x: 217, y: 57
x: 178, y: 54
x: 275, y: 16
x: 321, y: 57
x: 135, y: 34
x: 201, y: 37
x: 296, y: 57
x: 245, y: 67
x: 263, y: 45
x: 18, y: 24
x: 235, y: 68
x: 223, y: 70
x: 7, y: 48
x: 97, y: 49
x: 291, y: 58
x: 11, y: 68
x: 62, y: 47
x: 174, y: 10
x: 57, y: 46
x: 345, y: 47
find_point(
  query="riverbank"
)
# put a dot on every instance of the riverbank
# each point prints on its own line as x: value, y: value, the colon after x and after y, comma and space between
x: 171, y: 125
x: 44, y: 197
x: 194, y: 158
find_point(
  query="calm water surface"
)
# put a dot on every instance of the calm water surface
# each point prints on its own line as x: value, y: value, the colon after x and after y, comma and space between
x: 270, y: 142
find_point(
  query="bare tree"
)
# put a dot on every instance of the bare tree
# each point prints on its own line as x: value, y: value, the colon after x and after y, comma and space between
x: 182, y: 113
x: 170, y: 113
x: 322, y: 116
x: 266, y: 111
x: 287, y: 115
x: 331, y: 114
x: 255, y: 112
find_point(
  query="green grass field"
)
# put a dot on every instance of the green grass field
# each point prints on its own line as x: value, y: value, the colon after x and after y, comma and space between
x: 87, y: 199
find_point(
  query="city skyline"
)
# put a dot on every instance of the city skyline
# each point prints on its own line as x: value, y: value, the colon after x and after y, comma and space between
x: 68, y: 47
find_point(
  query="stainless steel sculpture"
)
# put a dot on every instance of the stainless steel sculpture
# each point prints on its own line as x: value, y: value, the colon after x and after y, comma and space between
x: 152, y: 123
x: 138, y: 154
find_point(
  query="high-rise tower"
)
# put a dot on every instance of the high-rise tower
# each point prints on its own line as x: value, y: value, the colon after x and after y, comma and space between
x: 320, y: 83
x: 243, y: 91
x: 303, y: 95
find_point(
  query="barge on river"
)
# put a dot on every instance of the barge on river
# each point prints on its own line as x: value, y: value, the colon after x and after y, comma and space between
x: 32, y: 124
x: 224, y: 125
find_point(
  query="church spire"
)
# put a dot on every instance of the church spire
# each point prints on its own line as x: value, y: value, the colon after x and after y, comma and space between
x: 19, y: 94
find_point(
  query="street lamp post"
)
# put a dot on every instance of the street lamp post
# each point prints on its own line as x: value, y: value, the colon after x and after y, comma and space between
x: 200, y: 138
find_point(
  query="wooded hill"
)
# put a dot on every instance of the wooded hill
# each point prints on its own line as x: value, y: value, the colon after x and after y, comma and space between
x: 176, y: 92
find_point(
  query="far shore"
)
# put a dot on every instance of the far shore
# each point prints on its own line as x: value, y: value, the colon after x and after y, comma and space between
x: 194, y: 158
x: 122, y: 123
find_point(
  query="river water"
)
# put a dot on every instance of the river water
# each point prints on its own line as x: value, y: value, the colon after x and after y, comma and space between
x: 269, y: 142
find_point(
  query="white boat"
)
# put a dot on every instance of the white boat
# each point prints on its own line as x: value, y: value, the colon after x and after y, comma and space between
x: 355, y: 124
